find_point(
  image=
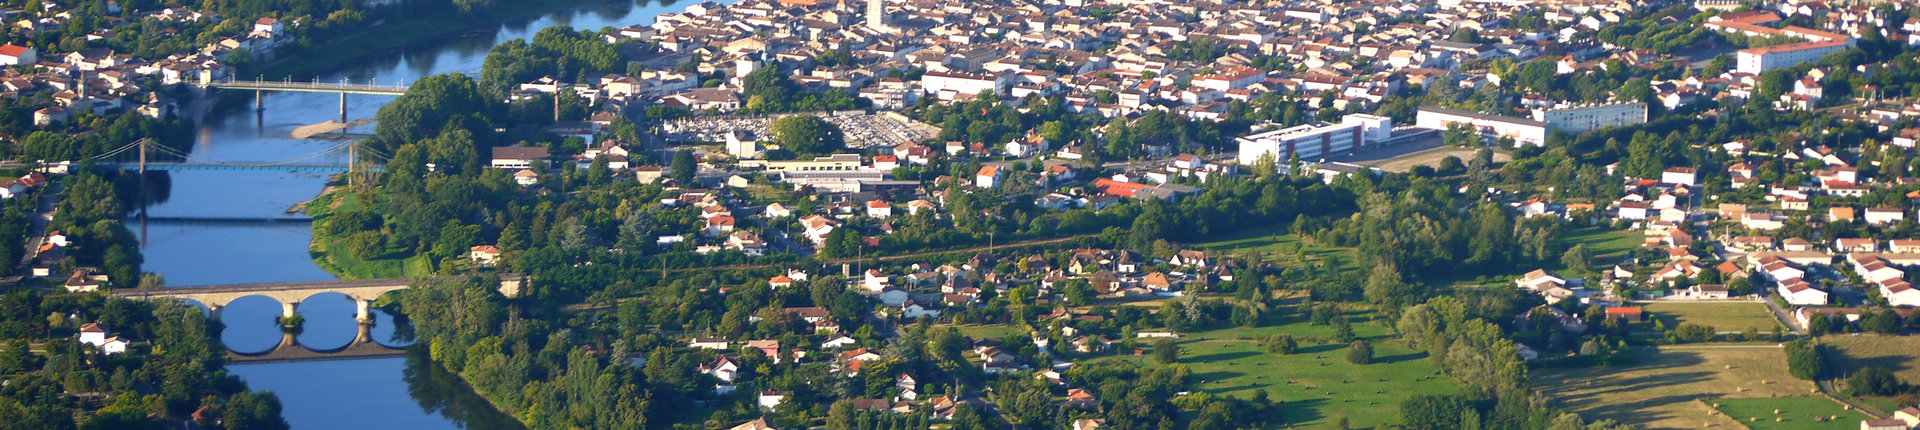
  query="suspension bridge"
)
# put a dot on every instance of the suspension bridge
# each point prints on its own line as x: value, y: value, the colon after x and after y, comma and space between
x: 146, y: 155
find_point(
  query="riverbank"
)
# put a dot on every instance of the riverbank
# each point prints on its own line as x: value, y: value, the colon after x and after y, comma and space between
x: 338, y: 255
x: 389, y: 37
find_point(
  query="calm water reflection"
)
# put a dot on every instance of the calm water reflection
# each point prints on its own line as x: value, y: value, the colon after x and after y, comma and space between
x: 407, y: 393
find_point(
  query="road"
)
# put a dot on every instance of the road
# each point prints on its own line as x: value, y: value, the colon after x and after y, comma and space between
x: 1826, y: 388
x: 1785, y: 318
x: 850, y: 260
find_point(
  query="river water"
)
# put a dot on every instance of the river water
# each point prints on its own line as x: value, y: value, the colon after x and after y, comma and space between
x: 401, y: 393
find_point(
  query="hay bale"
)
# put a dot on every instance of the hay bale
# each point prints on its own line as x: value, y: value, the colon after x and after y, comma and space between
x: 1776, y: 411
x: 1778, y: 419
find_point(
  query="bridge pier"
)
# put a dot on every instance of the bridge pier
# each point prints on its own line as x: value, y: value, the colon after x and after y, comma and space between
x: 287, y: 342
x: 286, y: 308
x: 343, y: 111
x: 213, y: 311
x: 362, y: 311
x: 365, y: 334
x: 259, y: 101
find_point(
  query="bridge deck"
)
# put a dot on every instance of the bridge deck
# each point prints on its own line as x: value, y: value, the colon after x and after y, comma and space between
x: 290, y: 286
x: 277, y: 286
x: 313, y: 87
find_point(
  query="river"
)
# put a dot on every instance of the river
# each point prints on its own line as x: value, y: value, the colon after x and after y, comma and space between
x: 409, y: 393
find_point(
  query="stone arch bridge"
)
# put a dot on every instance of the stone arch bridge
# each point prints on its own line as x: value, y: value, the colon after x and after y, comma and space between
x: 363, y: 292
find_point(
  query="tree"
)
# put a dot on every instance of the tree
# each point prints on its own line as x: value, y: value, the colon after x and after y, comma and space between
x: 841, y: 416
x: 806, y: 135
x: 1881, y: 321
x: 1875, y: 381
x: 1578, y: 259
x: 1359, y: 352
x: 1281, y: 344
x: 1803, y: 359
x: 1817, y: 324
x: 684, y: 166
x: 17, y: 358
x: 1165, y: 351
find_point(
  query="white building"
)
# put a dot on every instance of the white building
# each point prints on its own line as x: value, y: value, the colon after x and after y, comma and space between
x: 1756, y: 60
x: 1575, y: 119
x: 1490, y: 126
x: 1313, y: 142
x: 948, y: 84
x: 1679, y: 175
x: 1880, y: 216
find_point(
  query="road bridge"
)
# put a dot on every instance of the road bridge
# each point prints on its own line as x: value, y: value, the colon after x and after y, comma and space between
x: 343, y: 88
x: 362, y: 292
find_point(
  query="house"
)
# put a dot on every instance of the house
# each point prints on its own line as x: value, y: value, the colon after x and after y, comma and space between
x: 1804, y: 316
x: 1633, y: 210
x: 1678, y: 175
x: 708, y: 343
x: 838, y: 342
x: 93, y: 334
x: 1854, y: 245
x: 1883, y: 216
x: 1539, y: 279
x: 1189, y: 258
x: 722, y: 368
x: 269, y: 25
x: 1903, y: 246
x: 1884, y: 424
x: 719, y: 226
x: 1628, y: 313
x: 879, y: 209
x: 114, y: 345
x: 518, y: 157
x: 1797, y: 291
x: 484, y: 255
x: 1088, y: 423
x: 1707, y: 291
x: 82, y: 282
x: 1081, y: 398
x: 770, y: 399
x: 756, y: 424
x: 526, y: 177
x: 988, y: 177
x: 1910, y: 415
x: 14, y: 55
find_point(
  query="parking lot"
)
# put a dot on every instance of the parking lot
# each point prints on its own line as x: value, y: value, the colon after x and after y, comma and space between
x: 1425, y: 150
x: 862, y: 130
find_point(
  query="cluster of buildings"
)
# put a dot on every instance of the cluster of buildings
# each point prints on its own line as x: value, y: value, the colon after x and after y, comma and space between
x: 100, y: 80
x: 1572, y: 119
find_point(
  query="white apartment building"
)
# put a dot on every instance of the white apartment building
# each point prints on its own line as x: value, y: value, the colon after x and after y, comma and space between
x: 1312, y: 142
x: 1756, y: 60
x: 1580, y: 118
x: 1490, y: 126
x: 946, y: 84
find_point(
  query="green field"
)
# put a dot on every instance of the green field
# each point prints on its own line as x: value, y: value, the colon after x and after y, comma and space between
x: 1606, y: 245
x: 1722, y: 316
x: 1795, y: 413
x: 1315, y: 385
x: 1277, y: 245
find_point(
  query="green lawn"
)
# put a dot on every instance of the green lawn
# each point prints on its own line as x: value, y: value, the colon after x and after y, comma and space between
x: 987, y: 331
x: 1315, y: 385
x: 1607, y: 245
x: 1796, y: 413
x: 1725, y: 317
x: 392, y: 265
x: 1277, y: 245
